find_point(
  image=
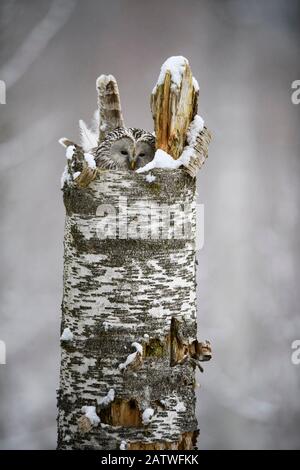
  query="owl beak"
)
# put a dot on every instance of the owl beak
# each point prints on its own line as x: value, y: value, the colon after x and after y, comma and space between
x: 132, y: 164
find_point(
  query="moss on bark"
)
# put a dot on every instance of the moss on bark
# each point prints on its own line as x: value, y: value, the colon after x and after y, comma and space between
x: 120, y: 291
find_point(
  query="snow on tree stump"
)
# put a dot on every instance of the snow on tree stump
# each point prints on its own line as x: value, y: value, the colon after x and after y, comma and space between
x: 130, y: 306
x: 129, y: 325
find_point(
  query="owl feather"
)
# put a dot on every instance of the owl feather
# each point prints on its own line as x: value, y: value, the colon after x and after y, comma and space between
x: 88, y: 139
x: 109, y: 105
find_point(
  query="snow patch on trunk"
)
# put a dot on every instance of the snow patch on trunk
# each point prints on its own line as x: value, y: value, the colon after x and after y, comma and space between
x: 123, y: 445
x: 89, y: 158
x: 180, y: 407
x: 131, y: 358
x: 70, y: 152
x: 194, y: 129
x: 196, y: 85
x: 90, y: 413
x: 67, y: 335
x: 150, y: 178
x: 65, y: 177
x: 109, y: 398
x: 175, y: 65
x: 147, y: 416
x: 163, y: 160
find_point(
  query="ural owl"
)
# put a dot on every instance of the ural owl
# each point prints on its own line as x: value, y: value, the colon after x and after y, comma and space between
x: 125, y: 149
x: 113, y: 145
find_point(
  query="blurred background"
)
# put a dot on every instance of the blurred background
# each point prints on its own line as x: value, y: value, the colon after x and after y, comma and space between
x: 245, y: 55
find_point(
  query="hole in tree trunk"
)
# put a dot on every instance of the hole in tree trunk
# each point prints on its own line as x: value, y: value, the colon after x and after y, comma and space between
x: 156, y: 347
x: 122, y: 413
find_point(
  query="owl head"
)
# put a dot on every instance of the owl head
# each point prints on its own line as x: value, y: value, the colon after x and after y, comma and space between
x: 125, y: 149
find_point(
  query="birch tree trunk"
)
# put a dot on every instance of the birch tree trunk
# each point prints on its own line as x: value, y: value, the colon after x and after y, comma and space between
x: 129, y: 327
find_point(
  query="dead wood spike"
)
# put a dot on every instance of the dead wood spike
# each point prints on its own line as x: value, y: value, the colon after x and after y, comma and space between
x: 173, y: 107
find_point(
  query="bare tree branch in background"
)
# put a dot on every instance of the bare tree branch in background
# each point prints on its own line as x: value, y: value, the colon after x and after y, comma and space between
x: 57, y: 15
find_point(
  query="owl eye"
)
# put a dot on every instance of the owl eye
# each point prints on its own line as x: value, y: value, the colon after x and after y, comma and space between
x: 124, y: 152
x: 142, y: 154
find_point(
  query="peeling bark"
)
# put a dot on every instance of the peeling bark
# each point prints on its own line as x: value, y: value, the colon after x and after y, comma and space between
x: 200, y: 155
x: 118, y: 292
x: 183, y: 348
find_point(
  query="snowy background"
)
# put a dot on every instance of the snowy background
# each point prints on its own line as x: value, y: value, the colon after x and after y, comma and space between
x: 245, y: 54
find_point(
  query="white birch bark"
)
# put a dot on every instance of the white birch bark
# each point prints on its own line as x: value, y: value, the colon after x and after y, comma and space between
x: 123, y: 291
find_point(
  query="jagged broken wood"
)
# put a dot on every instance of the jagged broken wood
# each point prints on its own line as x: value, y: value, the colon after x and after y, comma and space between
x: 174, y: 104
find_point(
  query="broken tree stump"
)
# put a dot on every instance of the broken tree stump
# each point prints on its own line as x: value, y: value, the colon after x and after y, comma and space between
x: 129, y: 345
x: 120, y: 296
